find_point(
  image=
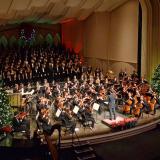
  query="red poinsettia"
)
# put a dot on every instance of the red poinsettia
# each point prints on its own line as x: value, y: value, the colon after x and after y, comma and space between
x: 6, y: 129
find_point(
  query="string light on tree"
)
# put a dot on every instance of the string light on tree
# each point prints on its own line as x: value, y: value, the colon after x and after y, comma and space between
x: 155, y: 82
x: 5, y: 109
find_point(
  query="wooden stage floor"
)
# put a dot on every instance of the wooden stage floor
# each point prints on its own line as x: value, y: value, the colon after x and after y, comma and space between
x: 101, y: 128
x: 84, y: 132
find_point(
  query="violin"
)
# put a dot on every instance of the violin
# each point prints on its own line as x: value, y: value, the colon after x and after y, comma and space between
x: 45, y: 114
x: 21, y: 115
x: 143, y: 88
x: 102, y: 94
x: 68, y: 112
x: 44, y: 100
x: 45, y: 111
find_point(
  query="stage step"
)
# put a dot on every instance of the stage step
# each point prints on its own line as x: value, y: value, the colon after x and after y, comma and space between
x: 84, y: 150
x: 3, y: 136
x: 158, y: 125
x: 91, y: 156
x: 81, y: 144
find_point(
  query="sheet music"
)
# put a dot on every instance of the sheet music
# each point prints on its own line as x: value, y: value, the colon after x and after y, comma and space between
x: 76, y: 109
x: 27, y: 93
x: 58, y: 113
x: 106, y: 102
x: 96, y: 106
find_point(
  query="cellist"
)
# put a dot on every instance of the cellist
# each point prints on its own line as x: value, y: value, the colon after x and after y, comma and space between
x: 137, y: 111
x: 127, y: 108
x: 153, y: 102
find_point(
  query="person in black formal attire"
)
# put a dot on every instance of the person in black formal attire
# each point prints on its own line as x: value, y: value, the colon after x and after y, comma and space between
x: 57, y: 72
x: 20, y: 123
x: 67, y: 121
x: 51, y: 71
x: 35, y: 74
x: 16, y: 88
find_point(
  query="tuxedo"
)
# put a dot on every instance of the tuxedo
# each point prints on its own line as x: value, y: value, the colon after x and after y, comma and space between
x: 35, y: 74
x: 57, y: 73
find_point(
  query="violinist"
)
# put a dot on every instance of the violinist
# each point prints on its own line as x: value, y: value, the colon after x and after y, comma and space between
x: 153, y: 103
x: 44, y: 116
x: 16, y: 89
x: 88, y: 116
x: 102, y: 98
x: 85, y: 114
x: 45, y: 121
x: 81, y: 111
x: 20, y: 122
x: 48, y: 92
x: 67, y: 120
x: 41, y: 103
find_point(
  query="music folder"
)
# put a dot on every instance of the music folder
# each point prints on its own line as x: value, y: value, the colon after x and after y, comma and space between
x: 76, y: 109
x: 96, y: 106
x: 58, y: 113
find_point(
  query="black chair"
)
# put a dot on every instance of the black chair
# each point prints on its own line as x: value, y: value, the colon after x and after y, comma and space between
x: 69, y: 125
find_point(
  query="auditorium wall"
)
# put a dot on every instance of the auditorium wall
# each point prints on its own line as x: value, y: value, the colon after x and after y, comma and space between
x: 72, y: 35
x: 111, y: 38
x: 96, y: 39
x: 9, y: 30
x: 150, y: 37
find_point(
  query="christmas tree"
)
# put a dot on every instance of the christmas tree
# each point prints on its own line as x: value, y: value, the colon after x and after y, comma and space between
x: 155, y: 82
x: 5, y: 109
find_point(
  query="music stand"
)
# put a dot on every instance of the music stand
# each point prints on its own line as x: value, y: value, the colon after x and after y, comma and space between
x: 58, y: 113
x: 96, y: 108
x: 106, y: 102
x: 75, y: 109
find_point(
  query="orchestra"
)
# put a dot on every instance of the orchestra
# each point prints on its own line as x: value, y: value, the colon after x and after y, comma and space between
x: 62, y: 85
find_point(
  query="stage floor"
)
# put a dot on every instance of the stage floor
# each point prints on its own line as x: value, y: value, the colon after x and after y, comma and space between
x: 99, y: 129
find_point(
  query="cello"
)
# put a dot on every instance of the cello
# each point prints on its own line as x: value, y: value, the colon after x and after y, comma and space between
x: 138, y: 107
x: 128, y: 103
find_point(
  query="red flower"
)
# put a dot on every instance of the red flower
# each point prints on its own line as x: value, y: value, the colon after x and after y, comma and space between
x: 7, y: 129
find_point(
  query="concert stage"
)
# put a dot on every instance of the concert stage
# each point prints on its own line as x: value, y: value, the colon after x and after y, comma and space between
x: 102, y: 131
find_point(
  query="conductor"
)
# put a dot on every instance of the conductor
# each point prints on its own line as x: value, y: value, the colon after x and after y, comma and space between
x: 112, y: 104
